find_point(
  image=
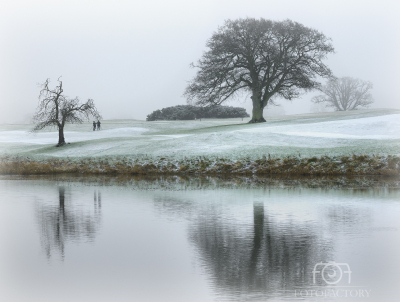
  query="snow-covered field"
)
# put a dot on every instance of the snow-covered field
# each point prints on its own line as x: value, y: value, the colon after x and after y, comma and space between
x: 334, y: 133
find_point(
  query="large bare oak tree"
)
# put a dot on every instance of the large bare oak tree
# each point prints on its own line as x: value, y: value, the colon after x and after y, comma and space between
x: 345, y: 94
x: 261, y: 57
x: 55, y: 110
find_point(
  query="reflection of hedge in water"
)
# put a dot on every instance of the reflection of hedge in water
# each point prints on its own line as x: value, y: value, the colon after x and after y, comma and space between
x: 188, y: 112
x: 360, y: 184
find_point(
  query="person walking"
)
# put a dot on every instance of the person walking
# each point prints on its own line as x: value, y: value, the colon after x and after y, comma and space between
x: 98, y: 125
x: 94, y: 126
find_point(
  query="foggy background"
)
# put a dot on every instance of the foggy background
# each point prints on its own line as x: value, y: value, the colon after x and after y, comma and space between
x: 132, y: 57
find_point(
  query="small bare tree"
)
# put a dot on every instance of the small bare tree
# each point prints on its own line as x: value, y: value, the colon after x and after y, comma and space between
x: 345, y: 94
x: 55, y: 110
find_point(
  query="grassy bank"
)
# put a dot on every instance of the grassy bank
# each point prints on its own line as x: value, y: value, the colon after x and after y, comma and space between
x: 334, y: 134
x: 312, y: 166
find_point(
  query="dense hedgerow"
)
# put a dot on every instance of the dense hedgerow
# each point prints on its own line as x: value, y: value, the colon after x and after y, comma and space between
x: 188, y: 112
x: 314, y: 166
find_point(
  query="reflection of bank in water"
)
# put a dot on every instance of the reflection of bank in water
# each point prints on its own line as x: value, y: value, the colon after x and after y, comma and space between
x: 65, y: 221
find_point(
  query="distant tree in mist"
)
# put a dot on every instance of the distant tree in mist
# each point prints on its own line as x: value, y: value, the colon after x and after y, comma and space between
x: 319, y: 108
x: 345, y: 94
x: 56, y: 110
x: 260, y: 57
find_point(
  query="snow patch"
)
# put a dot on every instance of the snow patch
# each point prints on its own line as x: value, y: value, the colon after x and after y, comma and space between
x: 378, y: 127
x: 44, y: 138
x: 330, y: 134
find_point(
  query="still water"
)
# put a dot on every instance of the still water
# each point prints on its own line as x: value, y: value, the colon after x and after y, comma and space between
x: 77, y: 240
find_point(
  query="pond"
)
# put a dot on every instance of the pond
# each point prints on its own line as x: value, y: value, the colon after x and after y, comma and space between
x: 173, y: 239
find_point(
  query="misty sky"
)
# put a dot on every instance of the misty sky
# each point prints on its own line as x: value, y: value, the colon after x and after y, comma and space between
x: 133, y: 57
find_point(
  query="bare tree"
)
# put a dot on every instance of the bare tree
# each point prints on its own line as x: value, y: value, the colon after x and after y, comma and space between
x: 260, y: 57
x: 345, y: 94
x: 55, y: 110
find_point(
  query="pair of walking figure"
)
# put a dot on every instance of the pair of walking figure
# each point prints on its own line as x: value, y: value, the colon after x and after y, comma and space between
x: 96, y: 125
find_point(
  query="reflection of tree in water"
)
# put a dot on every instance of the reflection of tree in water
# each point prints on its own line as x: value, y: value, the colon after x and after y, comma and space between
x: 66, y: 221
x: 262, y: 257
x: 264, y: 260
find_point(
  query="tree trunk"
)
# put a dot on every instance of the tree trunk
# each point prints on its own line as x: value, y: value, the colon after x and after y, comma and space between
x: 258, y: 218
x: 258, y: 236
x: 257, y: 115
x: 61, y: 220
x: 61, y: 140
